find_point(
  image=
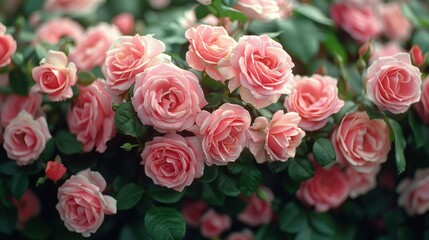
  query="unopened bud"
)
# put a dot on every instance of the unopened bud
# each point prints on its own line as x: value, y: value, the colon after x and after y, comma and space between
x: 416, y: 56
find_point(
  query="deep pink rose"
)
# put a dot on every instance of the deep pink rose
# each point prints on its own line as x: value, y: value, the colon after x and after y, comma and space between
x: 82, y: 205
x: 422, y: 107
x: 314, y: 98
x: 258, y: 211
x: 265, y: 10
x: 393, y: 83
x: 168, y: 98
x: 124, y: 22
x: 25, y: 138
x: 55, y: 170
x: 28, y: 207
x: 91, y: 117
x: 223, y: 132
x: 243, y: 235
x: 360, y: 182
x: 53, y: 30
x: 13, y: 104
x: 193, y: 211
x: 91, y: 48
x: 173, y: 161
x: 361, y: 142
x: 214, y: 224
x: 326, y: 190
x: 55, y: 76
x: 358, y: 21
x: 276, y: 140
x: 75, y: 7
x: 260, y: 67
x: 7, y: 46
x: 395, y: 25
x: 413, y: 193
x: 207, y: 46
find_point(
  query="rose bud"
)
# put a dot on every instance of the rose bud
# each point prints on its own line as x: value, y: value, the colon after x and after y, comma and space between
x: 55, y: 170
x: 417, y: 57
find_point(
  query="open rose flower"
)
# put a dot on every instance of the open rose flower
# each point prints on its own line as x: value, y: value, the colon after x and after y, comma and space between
x: 173, y: 161
x: 25, y: 138
x: 53, y: 30
x: 314, y: 98
x: 361, y: 142
x: 260, y: 68
x: 91, y: 117
x: 193, y: 211
x: 55, y: 76
x: 360, y: 182
x: 207, y: 46
x: 393, y: 83
x: 265, y: 10
x: 395, y: 25
x: 214, y: 224
x: 13, y: 104
x: 168, y: 98
x: 76, y: 7
x: 258, y: 211
x: 422, y: 107
x: 28, y: 207
x: 82, y: 205
x: 413, y: 193
x: 7, y: 46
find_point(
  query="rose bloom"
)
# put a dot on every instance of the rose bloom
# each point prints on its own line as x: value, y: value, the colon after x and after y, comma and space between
x: 265, y: 10
x: 193, y: 211
x: 28, y: 207
x: 223, y: 132
x: 257, y: 211
x: 260, y: 68
x: 13, y: 104
x: 314, y: 98
x: 75, y: 7
x: 361, y: 142
x: 128, y: 57
x: 393, y: 83
x: 82, y: 205
x: 328, y: 189
x: 53, y: 30
x: 55, y: 76
x: 7, y: 46
x: 214, y: 224
x: 422, y: 107
x: 285, y: 7
x: 25, y: 138
x: 124, y: 22
x: 168, y: 98
x: 395, y: 25
x: 90, y: 50
x: 55, y: 170
x: 91, y: 117
x: 358, y: 21
x: 386, y: 50
x: 207, y: 46
x: 243, y: 235
x: 360, y: 182
x: 413, y: 193
x: 173, y: 161
x: 276, y: 140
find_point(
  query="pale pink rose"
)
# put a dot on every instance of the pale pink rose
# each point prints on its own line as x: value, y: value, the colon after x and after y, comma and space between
x: 13, y: 104
x: 25, y: 138
x: 82, y: 205
x: 393, y: 83
x: 173, y: 161
x: 55, y: 76
x: 124, y: 22
x: 243, y: 235
x: 205, y: 2
x: 276, y: 140
x: 422, y: 107
x: 207, y: 46
x: 314, y: 98
x: 28, y: 207
x: 285, y: 7
x: 168, y: 98
x: 74, y: 7
x: 395, y: 25
x: 260, y: 67
x: 265, y: 10
x: 53, y: 30
x: 257, y: 211
x: 214, y: 224
x: 326, y: 190
x: 360, y: 182
x: 159, y: 4
x: 223, y: 132
x: 128, y: 57
x: 91, y: 48
x: 7, y: 46
x: 413, y: 193
x: 361, y: 142
x: 358, y: 21
x: 193, y: 211
x: 91, y: 117
x: 386, y: 50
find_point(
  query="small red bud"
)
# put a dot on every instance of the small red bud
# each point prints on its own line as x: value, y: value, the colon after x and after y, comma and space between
x: 366, y: 50
x: 55, y: 170
x: 416, y: 56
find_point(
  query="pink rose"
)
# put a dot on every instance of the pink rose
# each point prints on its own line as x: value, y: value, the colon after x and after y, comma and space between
x: 395, y: 25
x: 75, y: 7
x: 214, y: 224
x: 261, y: 69
x: 285, y: 8
x: 386, y: 50
x: 55, y: 77
x: 13, y: 104
x: 223, y: 132
x: 258, y: 211
x: 168, y: 98
x: 207, y: 46
x: 326, y: 190
x: 393, y: 83
x: 243, y: 235
x: 124, y: 22
x: 422, y: 107
x: 314, y: 98
x: 193, y: 211
x: 55, y: 170
x: 25, y: 138
x: 360, y: 182
x: 361, y: 142
x: 53, y: 30
x: 7, y: 46
x: 276, y: 140
x: 28, y: 207
x: 413, y: 193
x: 128, y: 57
x: 265, y: 10
x: 91, y: 117
x: 91, y: 48
x: 358, y: 21
x: 173, y: 161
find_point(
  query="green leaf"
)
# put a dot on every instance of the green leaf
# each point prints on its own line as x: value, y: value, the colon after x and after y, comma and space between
x: 19, y: 184
x: 417, y: 129
x: 36, y: 228
x: 164, y: 223
x: 127, y: 122
x: 300, y: 169
x: 9, y: 168
x: 348, y: 107
x: 212, y: 84
x: 420, y: 38
x: 86, y: 78
x: 67, y: 143
x: 323, y: 151
x: 229, y: 3
x: 236, y: 167
x: 48, y: 152
x: 290, y: 185
x: 129, y: 196
x: 227, y: 185
x: 19, y: 82
x: 211, y: 195
x: 399, y: 144
x: 164, y: 195
x: 408, y: 13
x: 277, y: 167
x: 250, y: 179
x: 323, y: 223
x: 313, y: 13
x: 334, y: 46
x: 292, y: 218
x: 18, y: 58
x: 232, y: 14
x: 210, y: 174
x: 214, y: 99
